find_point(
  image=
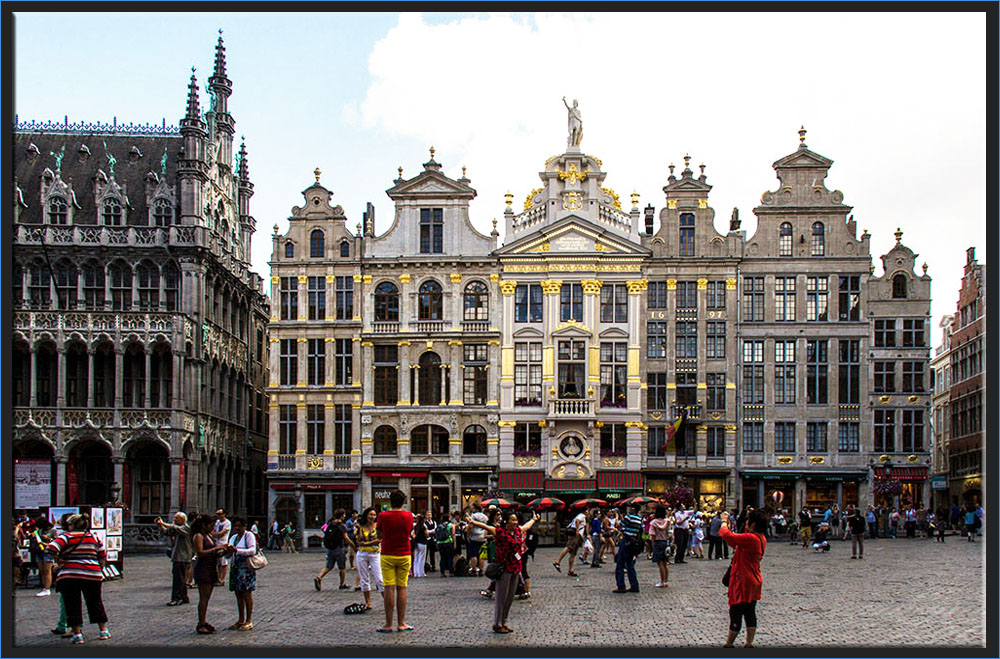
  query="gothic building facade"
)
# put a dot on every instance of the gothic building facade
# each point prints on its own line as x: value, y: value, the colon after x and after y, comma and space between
x: 138, y: 357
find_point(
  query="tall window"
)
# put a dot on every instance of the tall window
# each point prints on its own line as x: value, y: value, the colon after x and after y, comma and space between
x: 817, y: 246
x: 913, y: 377
x: 816, y: 437
x: 817, y: 364
x: 93, y: 286
x: 785, y: 239
x: 885, y: 431
x: 527, y: 374
x: 817, y: 299
x: 384, y: 441
x: 849, y: 384
x: 429, y: 379
x: 850, y: 297
x: 614, y: 370
x: 386, y: 303
x: 913, y: 333
x: 66, y: 282
x: 686, y: 242
x: 527, y: 438
x: 687, y: 339
x: 286, y: 429
x: 429, y: 301
x: 716, y: 295
x: 753, y: 437
x: 58, y: 211
x: 342, y: 432
x: 753, y: 372
x: 148, y: 285
x: 656, y: 392
x: 656, y: 339
x: 687, y: 387
x: 614, y: 303
x: 613, y: 439
x: 899, y: 286
x: 572, y: 369
x: 345, y: 297
x: 288, y: 361
x: 474, y: 361
x: 171, y: 286
x: 715, y: 334
x: 343, y: 357
x: 121, y: 287
x: 40, y: 283
x: 431, y: 230
x: 656, y: 441
x: 784, y: 299
x: 687, y: 295
x: 477, y: 301
x: 528, y: 303
x: 656, y: 295
x: 317, y: 298
x: 784, y: 437
x: 315, y: 362
x: 571, y: 302
x: 429, y: 439
x: 289, y: 250
x: 849, y: 437
x: 913, y: 431
x: 884, y: 381
x: 716, y: 441
x: 753, y: 299
x: 715, y: 395
x: 288, y: 292
x: 315, y: 429
x: 784, y: 372
x: 163, y: 214
x: 474, y: 440
x: 317, y: 244
x: 111, y: 213
x: 345, y: 249
x: 885, y: 332
x: 385, y: 360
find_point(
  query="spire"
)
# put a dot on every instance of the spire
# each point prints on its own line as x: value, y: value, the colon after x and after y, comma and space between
x: 243, y: 169
x: 802, y: 137
x: 193, y: 109
x: 220, y: 58
x: 898, y: 234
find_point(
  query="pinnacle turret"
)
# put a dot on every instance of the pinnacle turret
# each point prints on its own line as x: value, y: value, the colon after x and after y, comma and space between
x: 193, y: 109
x: 243, y: 168
x: 220, y: 58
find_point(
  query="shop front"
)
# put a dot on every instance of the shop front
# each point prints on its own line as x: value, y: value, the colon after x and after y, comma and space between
x: 614, y: 486
x: 309, y: 505
x: 709, y: 487
x: 521, y: 486
x: 915, y: 482
x: 791, y: 491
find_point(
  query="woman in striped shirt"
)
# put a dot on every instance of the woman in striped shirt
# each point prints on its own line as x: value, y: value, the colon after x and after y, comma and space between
x: 79, y: 558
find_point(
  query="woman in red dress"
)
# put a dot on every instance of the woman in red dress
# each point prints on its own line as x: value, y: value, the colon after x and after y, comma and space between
x: 745, y: 578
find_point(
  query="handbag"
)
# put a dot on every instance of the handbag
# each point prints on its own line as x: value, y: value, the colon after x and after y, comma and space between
x: 258, y: 561
x: 493, y: 571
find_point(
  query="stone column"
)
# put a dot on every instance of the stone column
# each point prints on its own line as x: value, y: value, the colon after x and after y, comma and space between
x: 368, y: 386
x: 301, y: 370
x: 34, y: 376
x: 301, y: 517
x: 119, y: 466
x: 406, y: 395
x: 274, y: 361
x: 60, y: 384
x: 177, y: 395
x: 175, y: 484
x: 148, y: 376
x: 119, y: 375
x: 61, y: 480
x: 356, y: 364
x: 330, y: 360
x: 303, y: 298
x: 591, y: 304
x: 635, y: 288
x: 300, y: 434
x: 457, y: 373
x: 457, y: 299
x: 406, y: 310
x: 445, y: 370
x: 551, y: 289
x: 506, y: 388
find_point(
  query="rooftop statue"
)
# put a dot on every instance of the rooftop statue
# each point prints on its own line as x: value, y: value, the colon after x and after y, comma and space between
x: 575, y: 124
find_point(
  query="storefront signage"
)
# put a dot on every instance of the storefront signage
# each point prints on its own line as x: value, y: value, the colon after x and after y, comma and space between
x: 381, y: 494
x: 611, y: 496
x: 32, y: 483
x: 939, y: 482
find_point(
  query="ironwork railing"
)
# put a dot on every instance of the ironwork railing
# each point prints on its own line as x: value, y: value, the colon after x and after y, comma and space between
x: 693, y: 412
x: 286, y: 462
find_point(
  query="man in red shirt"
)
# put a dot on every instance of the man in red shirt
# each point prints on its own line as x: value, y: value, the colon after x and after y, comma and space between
x: 394, y: 527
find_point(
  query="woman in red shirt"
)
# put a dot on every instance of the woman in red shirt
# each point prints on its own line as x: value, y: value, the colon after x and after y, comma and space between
x: 510, y: 547
x: 745, y: 579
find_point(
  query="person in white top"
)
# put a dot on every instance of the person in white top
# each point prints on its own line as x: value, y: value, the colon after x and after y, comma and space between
x: 477, y: 538
x: 221, y: 536
x: 243, y: 578
x: 681, y: 523
x: 574, y: 540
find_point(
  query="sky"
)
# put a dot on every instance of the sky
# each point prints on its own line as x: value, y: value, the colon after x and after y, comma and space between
x: 896, y: 100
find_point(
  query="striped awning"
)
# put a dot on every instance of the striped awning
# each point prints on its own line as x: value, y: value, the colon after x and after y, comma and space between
x: 902, y: 473
x: 520, y: 480
x: 624, y: 481
x: 566, y: 485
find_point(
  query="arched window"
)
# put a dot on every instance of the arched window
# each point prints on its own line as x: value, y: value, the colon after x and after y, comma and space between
x: 111, y: 213
x: 289, y: 250
x: 93, y: 285
x: 317, y: 244
x: 163, y: 214
x: 66, y: 278
x: 134, y: 376
x: 171, y: 286
x: 384, y: 441
x: 818, y: 244
x: 121, y: 286
x: 77, y: 365
x: 386, y: 303
x: 429, y: 301
x: 429, y: 388
x: 899, y: 286
x: 58, y: 211
x: 148, y: 283
x: 150, y: 473
x: 46, y: 374
x: 39, y: 285
x: 345, y: 249
x: 686, y: 234
x: 477, y: 301
x: 474, y: 441
x: 785, y: 239
x: 429, y: 439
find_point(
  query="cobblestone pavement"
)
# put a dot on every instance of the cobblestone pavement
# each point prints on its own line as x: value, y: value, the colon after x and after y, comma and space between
x: 904, y: 592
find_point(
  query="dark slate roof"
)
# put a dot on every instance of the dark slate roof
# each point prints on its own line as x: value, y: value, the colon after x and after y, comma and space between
x: 79, y: 170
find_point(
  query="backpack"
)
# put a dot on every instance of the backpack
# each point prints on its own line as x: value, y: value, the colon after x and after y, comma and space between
x: 443, y: 532
x: 333, y: 536
x: 461, y: 568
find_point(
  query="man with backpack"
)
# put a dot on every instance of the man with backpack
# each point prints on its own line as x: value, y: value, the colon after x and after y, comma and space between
x: 444, y: 536
x: 336, y: 541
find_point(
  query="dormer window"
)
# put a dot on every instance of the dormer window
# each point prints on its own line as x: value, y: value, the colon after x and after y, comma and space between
x: 686, y: 234
x: 431, y: 230
x: 317, y: 244
x: 111, y: 213
x: 345, y: 249
x: 58, y: 211
x: 818, y: 244
x: 289, y: 250
x: 163, y: 213
x: 899, y: 286
x: 785, y: 239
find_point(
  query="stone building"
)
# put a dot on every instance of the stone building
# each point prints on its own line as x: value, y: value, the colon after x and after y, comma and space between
x: 138, y: 361
x: 968, y: 370
x: 941, y: 414
x: 314, y: 458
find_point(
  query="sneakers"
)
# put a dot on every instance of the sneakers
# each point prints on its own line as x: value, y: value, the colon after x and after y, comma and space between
x: 77, y: 638
x: 45, y: 592
x: 104, y: 635
x: 317, y: 584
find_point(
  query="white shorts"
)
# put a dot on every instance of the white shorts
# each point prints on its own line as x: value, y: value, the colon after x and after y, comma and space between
x: 224, y: 561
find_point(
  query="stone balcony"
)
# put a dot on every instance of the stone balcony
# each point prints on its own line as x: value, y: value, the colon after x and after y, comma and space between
x: 571, y: 408
x: 324, y: 462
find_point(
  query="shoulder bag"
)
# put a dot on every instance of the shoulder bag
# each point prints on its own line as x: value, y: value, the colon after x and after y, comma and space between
x: 256, y: 561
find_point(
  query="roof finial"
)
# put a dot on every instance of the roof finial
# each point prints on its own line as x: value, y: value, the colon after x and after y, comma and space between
x: 671, y: 168
x: 898, y: 234
x: 463, y: 171
x: 220, y: 58
x: 432, y: 153
x: 802, y: 137
x: 635, y: 199
x: 925, y: 267
x: 193, y: 109
x: 494, y: 233
x: 316, y: 173
x: 687, y: 160
x: 400, y: 170
x: 243, y: 170
x: 702, y: 168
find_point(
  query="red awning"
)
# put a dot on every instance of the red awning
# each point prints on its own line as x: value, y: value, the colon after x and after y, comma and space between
x: 619, y: 480
x: 521, y: 480
x: 566, y: 485
x: 316, y: 486
x: 903, y: 473
x: 397, y: 474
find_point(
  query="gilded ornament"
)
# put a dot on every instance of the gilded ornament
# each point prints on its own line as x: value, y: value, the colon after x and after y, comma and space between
x: 614, y: 197
x: 572, y: 202
x: 528, y: 203
x: 574, y: 175
x: 671, y: 204
x: 507, y: 286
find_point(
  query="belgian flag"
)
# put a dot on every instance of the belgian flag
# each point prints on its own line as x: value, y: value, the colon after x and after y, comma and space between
x: 672, y: 431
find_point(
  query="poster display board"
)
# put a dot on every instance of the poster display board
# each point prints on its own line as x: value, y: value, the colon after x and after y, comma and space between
x: 32, y: 483
x: 107, y: 525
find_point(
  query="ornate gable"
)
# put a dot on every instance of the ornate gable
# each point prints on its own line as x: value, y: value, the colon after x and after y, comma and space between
x: 573, y: 235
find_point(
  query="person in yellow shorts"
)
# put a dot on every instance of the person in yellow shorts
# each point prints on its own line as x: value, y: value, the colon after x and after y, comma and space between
x: 394, y: 526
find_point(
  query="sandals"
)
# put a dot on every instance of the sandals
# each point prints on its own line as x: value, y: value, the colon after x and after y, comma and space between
x: 205, y: 629
x: 572, y: 574
x: 383, y: 630
x: 236, y: 625
x: 557, y: 567
x: 246, y: 627
x: 501, y: 629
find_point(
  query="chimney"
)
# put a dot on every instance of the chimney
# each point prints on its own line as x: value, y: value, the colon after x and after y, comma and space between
x: 970, y: 255
x: 649, y: 219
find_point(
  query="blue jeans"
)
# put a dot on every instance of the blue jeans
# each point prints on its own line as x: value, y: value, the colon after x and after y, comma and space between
x: 626, y: 562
